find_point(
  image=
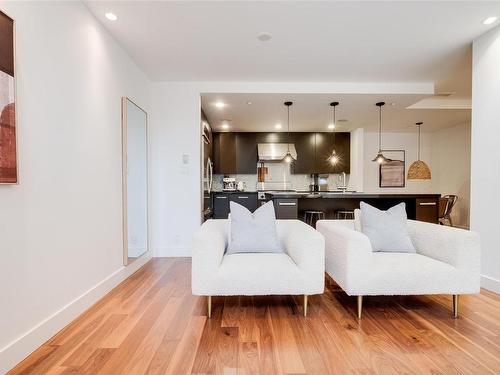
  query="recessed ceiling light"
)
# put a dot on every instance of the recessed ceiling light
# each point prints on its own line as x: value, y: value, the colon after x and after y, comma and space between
x: 220, y: 104
x: 277, y: 126
x: 225, y: 126
x: 111, y: 16
x: 249, y: 103
x: 490, y: 20
x: 264, y: 37
x: 331, y: 126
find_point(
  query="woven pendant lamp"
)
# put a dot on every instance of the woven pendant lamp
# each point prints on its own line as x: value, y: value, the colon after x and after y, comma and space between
x: 419, y: 170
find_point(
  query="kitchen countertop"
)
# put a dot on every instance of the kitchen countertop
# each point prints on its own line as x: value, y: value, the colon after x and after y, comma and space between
x: 234, y: 192
x: 346, y: 195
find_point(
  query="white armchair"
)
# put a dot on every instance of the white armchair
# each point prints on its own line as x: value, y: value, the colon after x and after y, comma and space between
x: 298, y: 271
x: 447, y: 262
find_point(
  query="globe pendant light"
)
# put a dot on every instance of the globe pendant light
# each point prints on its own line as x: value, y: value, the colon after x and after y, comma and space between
x: 380, y: 158
x: 418, y: 169
x: 288, y: 156
x: 334, y: 158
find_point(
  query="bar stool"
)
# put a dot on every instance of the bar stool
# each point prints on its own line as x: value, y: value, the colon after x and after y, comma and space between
x: 310, y: 213
x: 344, y: 215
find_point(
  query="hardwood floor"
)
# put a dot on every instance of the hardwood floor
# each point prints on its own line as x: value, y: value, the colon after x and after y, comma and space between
x: 151, y: 324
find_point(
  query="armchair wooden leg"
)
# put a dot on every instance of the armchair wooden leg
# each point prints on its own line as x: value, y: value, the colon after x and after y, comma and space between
x: 455, y: 305
x: 209, y: 306
x: 360, y: 306
x: 305, y: 304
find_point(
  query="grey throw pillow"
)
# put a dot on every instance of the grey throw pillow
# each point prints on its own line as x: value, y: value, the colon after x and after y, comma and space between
x: 253, y: 233
x: 386, y: 229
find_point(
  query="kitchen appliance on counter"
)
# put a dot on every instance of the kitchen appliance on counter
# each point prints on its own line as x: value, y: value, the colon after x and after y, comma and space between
x: 262, y: 171
x: 228, y: 184
x: 314, y: 185
x: 343, y: 182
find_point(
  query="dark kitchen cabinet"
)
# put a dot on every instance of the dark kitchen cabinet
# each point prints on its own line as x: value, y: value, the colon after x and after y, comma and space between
x: 224, y: 153
x: 246, y: 153
x: 324, y: 146
x: 221, y: 206
x: 286, y: 208
x: 235, y: 153
x: 247, y: 200
x: 323, y: 151
x: 427, y: 210
x: 305, y: 144
x: 314, y: 150
x: 221, y: 202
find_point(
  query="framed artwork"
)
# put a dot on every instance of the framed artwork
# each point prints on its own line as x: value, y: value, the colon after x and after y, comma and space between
x: 8, y: 144
x: 392, y: 174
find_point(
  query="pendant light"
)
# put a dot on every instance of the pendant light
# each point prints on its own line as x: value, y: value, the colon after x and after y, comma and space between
x: 380, y: 158
x: 288, y: 157
x: 418, y: 169
x: 334, y: 158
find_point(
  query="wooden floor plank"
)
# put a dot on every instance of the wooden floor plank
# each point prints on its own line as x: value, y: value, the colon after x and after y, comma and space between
x: 141, y: 359
x: 183, y: 358
x: 152, y: 324
x: 286, y: 347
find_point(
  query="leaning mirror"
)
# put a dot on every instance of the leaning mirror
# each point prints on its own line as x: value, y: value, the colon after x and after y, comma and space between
x: 135, y: 180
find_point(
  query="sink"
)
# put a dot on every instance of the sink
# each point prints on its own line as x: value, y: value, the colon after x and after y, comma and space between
x: 313, y: 195
x: 335, y: 193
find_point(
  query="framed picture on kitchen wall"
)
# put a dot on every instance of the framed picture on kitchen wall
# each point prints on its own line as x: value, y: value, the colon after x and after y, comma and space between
x: 392, y: 173
x: 8, y: 144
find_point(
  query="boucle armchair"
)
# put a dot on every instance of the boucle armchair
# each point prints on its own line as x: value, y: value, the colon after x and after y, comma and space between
x: 298, y: 271
x: 447, y: 262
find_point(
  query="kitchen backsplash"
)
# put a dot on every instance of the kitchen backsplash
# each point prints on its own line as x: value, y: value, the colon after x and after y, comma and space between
x: 278, y: 178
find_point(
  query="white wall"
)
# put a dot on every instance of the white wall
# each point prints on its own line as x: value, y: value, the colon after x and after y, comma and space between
x: 175, y: 186
x: 485, y: 171
x: 451, y: 168
x: 356, y: 178
x: 61, y: 227
x: 396, y: 141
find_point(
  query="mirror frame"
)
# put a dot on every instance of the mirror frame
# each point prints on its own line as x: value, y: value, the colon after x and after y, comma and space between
x: 124, y: 129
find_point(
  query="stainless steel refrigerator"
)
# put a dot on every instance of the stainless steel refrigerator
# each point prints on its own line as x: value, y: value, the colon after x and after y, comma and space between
x: 207, y: 169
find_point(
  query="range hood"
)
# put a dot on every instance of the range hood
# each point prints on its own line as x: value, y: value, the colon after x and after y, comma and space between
x: 275, y: 151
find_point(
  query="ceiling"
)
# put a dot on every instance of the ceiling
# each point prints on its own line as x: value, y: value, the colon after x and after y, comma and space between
x: 312, y: 112
x: 338, y: 41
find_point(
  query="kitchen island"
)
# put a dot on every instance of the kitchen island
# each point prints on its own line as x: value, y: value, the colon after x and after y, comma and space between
x: 292, y: 205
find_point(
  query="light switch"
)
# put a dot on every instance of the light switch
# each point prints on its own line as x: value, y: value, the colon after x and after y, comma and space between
x: 185, y: 159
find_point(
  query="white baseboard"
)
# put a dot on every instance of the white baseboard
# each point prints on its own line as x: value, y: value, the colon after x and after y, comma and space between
x: 167, y: 252
x: 490, y: 283
x: 20, y: 348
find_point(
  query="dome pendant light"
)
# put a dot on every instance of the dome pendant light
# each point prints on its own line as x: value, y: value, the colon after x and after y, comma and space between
x: 288, y: 156
x: 334, y: 158
x: 418, y: 169
x: 380, y: 158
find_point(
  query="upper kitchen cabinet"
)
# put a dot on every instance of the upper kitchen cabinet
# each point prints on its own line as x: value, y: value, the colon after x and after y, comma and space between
x: 224, y: 153
x: 235, y: 153
x: 324, y: 146
x: 305, y: 145
x: 314, y: 150
x: 246, y: 153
